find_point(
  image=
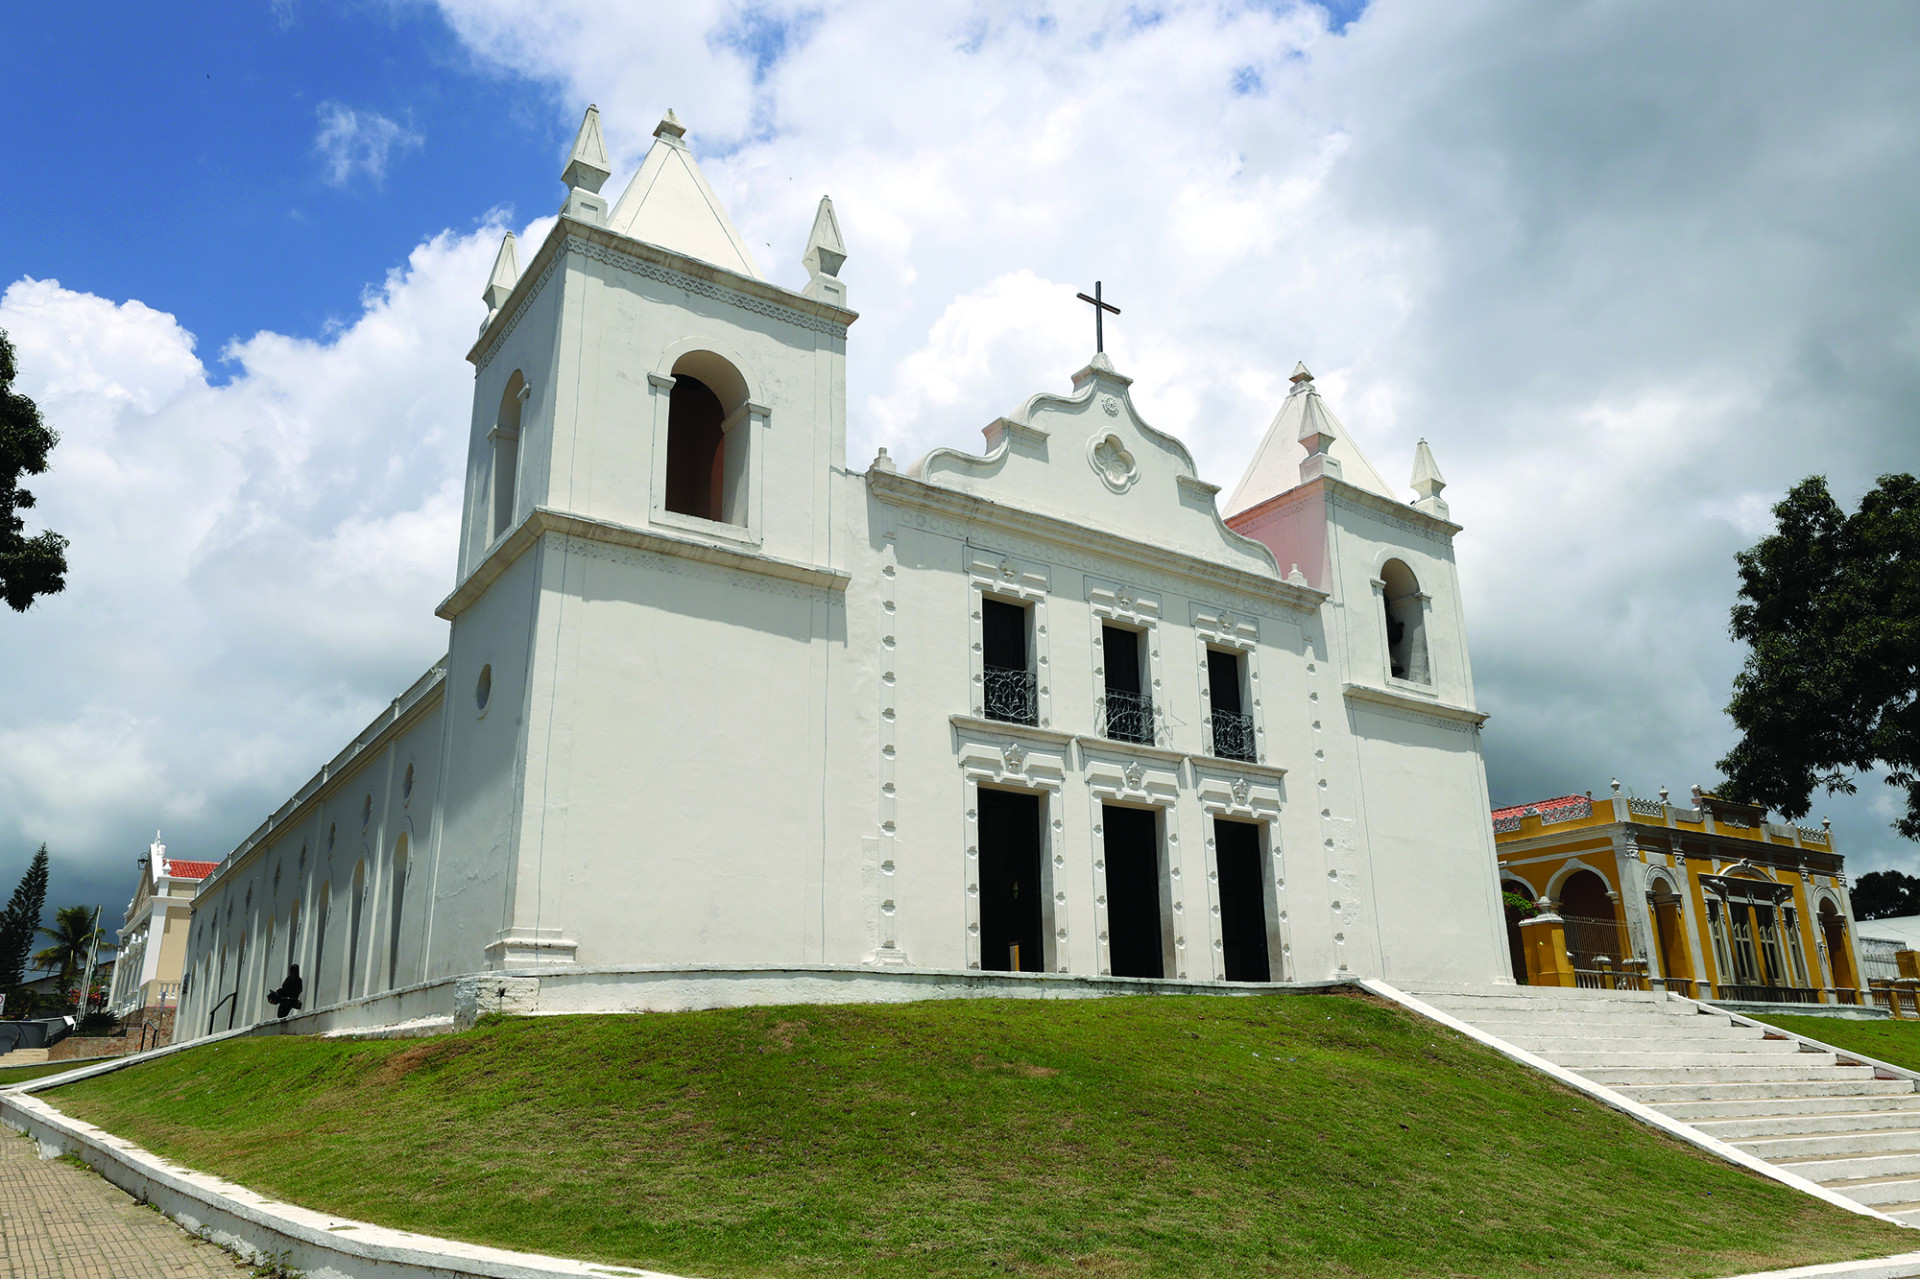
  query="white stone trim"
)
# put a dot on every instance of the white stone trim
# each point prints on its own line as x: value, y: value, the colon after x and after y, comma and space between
x: 1015, y: 580
x: 1014, y: 757
x: 1112, y: 602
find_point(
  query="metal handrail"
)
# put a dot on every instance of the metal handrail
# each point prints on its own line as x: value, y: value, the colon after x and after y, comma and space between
x: 232, y: 998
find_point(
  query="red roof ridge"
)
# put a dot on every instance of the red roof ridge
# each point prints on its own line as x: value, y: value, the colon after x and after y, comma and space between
x: 181, y: 869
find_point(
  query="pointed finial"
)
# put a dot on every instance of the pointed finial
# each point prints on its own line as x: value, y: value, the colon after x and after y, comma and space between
x: 587, y: 168
x: 1615, y: 783
x: 1427, y: 482
x: 670, y: 128
x: 1295, y: 577
x: 506, y: 273
x: 826, y: 251
x: 1300, y: 374
x: 826, y: 254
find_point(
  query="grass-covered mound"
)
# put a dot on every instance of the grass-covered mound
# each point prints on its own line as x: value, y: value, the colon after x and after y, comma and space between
x: 1290, y: 1135
x: 1894, y: 1042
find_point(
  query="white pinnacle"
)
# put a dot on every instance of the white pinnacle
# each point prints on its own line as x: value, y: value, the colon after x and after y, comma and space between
x: 826, y: 251
x: 587, y: 167
x: 506, y: 273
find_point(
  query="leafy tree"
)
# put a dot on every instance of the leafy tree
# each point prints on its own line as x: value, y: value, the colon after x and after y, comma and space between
x: 72, y: 934
x: 29, y: 566
x: 21, y: 921
x: 1831, y: 614
x: 1885, y: 894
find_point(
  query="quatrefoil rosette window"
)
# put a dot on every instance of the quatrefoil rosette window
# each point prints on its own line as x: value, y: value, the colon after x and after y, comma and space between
x: 1111, y: 462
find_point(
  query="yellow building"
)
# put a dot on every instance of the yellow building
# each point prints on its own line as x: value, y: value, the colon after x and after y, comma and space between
x: 153, y: 937
x: 1710, y: 900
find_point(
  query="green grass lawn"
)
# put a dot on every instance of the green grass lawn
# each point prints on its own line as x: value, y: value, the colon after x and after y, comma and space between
x: 1894, y: 1042
x: 20, y: 1074
x: 1149, y: 1136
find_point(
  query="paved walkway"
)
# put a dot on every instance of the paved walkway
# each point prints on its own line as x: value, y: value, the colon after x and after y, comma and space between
x: 58, y: 1221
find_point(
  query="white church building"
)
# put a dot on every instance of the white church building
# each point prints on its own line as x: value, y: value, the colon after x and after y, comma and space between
x: 716, y: 703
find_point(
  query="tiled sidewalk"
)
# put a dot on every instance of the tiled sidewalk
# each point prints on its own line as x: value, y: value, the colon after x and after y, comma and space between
x: 58, y: 1221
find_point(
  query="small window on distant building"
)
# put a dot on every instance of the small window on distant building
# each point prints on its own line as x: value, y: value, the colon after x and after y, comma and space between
x: 1005, y: 666
x: 1406, y: 624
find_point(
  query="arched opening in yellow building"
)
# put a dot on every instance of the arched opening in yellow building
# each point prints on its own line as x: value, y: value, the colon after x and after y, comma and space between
x: 1597, y: 942
x: 1669, y: 930
x: 1833, y: 934
x: 1511, y: 887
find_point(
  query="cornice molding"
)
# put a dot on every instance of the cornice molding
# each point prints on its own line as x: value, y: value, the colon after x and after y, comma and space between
x: 1337, y: 492
x: 543, y: 520
x: 1408, y: 704
x: 654, y: 262
x: 985, y: 514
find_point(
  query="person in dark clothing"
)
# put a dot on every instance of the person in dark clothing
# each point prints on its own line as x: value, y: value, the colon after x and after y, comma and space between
x: 287, y: 998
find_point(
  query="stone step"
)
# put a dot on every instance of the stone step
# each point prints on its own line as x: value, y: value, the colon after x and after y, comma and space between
x: 1836, y: 1145
x: 1906, y: 1213
x: 1875, y: 1191
x: 1659, y: 1094
x: 24, y: 1057
x: 1904, y: 1163
x: 1768, y: 1127
x: 1783, y: 1108
x: 1624, y: 1028
x: 1672, y: 1075
x: 1573, y: 1008
x: 1751, y: 1051
x: 1677, y: 1061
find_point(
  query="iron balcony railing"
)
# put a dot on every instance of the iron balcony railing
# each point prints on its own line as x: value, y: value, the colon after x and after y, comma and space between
x: 1129, y: 717
x: 1011, y: 696
x: 1768, y: 994
x: 1233, y: 735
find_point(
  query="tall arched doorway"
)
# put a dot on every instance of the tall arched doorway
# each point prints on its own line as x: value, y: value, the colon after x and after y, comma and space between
x: 1596, y: 938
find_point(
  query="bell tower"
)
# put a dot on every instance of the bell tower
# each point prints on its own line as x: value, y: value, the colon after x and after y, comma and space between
x: 657, y: 431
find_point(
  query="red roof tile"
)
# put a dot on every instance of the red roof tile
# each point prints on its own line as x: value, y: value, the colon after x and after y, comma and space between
x: 189, y: 870
x: 1516, y: 810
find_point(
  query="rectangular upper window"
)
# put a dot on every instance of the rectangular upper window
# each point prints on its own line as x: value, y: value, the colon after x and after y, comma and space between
x: 1231, y: 726
x: 1129, y: 708
x: 1005, y: 666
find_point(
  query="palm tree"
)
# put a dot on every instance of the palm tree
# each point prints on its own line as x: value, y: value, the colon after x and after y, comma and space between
x: 72, y: 935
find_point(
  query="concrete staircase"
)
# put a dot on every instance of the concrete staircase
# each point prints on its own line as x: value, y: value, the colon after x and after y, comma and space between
x: 1818, y: 1114
x: 23, y: 1057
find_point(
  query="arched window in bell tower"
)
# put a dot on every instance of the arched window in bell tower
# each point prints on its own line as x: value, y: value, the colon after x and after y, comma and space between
x: 1406, y: 624
x: 708, y: 440
x: 696, y: 449
x: 505, y: 436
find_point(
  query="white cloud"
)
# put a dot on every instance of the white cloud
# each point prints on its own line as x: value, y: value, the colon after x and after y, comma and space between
x: 1631, y: 279
x: 254, y: 565
x: 359, y: 142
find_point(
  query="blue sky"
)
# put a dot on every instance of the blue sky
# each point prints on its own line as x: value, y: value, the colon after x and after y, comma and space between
x: 178, y: 148
x: 1632, y: 270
